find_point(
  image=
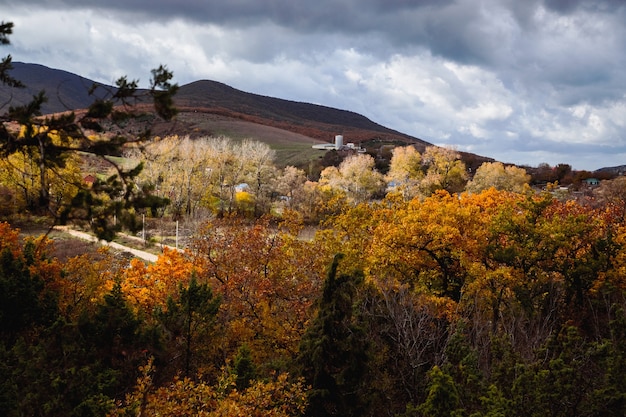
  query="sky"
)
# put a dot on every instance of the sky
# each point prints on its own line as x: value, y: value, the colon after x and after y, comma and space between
x: 520, y: 81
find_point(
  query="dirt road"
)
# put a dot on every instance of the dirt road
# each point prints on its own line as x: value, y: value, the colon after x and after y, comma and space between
x: 150, y: 257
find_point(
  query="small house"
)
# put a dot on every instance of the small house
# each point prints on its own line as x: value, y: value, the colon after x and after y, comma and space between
x: 89, y: 180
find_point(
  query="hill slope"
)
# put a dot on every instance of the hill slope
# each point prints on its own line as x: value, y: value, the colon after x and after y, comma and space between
x: 67, y: 91
x: 212, y: 108
x: 311, y: 120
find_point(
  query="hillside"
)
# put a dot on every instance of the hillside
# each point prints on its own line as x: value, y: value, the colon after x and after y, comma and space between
x: 212, y: 108
x: 316, y: 121
x: 67, y: 91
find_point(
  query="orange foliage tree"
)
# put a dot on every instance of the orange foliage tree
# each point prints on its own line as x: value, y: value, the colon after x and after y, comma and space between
x: 86, y: 279
x: 267, y: 279
x: 148, y: 286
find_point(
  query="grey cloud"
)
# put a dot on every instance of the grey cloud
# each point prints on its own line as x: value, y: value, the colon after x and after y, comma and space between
x: 440, y: 23
x: 303, y: 15
x: 563, y: 6
x: 568, y: 6
x: 460, y: 30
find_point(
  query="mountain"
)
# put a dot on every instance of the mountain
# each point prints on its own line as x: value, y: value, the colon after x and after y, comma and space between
x: 618, y: 170
x: 65, y: 91
x: 316, y: 121
x: 212, y: 108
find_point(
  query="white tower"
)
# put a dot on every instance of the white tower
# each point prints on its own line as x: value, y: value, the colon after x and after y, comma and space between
x: 338, y: 142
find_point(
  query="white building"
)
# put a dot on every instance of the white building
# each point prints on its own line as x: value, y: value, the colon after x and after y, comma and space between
x: 339, y: 146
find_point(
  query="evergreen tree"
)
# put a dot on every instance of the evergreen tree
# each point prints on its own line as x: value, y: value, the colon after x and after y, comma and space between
x: 443, y: 396
x: 114, y: 339
x: 25, y: 302
x: 6, y: 29
x: 333, y: 352
x: 189, y: 320
x: 244, y: 368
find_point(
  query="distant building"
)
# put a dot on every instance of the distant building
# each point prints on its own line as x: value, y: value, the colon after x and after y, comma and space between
x: 89, y: 180
x: 338, y: 145
x: 591, y: 181
x: 240, y: 188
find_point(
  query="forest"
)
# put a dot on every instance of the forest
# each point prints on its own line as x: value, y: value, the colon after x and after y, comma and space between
x: 420, y: 289
x: 471, y: 304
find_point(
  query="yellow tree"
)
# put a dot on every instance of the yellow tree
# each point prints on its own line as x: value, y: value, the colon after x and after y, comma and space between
x: 499, y: 176
x: 260, y: 172
x: 421, y: 243
x: 177, y: 168
x: 536, y: 263
x: 18, y: 173
x: 444, y: 170
x: 86, y: 280
x: 226, y: 169
x: 356, y: 176
x: 149, y: 286
x: 405, y: 172
x: 317, y: 202
x: 276, y: 397
x: 289, y: 184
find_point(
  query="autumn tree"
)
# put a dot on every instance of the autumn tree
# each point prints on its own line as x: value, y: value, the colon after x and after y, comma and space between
x: 421, y: 244
x: 226, y: 172
x: 277, y: 397
x: 544, y: 173
x: 356, y: 176
x: 26, y: 301
x: 147, y: 287
x: 267, y: 279
x: 612, y: 193
x: 20, y: 174
x: 405, y: 172
x: 260, y: 173
x: 290, y: 185
x: 176, y: 169
x: 206, y: 172
x: 86, y: 280
x: 444, y: 170
x: 495, y: 174
x: 317, y: 202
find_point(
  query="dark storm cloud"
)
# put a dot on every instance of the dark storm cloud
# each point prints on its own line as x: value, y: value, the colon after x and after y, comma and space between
x: 322, y: 14
x: 568, y: 6
x: 467, y: 31
x: 446, y: 27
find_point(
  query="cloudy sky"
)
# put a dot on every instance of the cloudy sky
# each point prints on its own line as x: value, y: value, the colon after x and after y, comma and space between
x: 523, y: 81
